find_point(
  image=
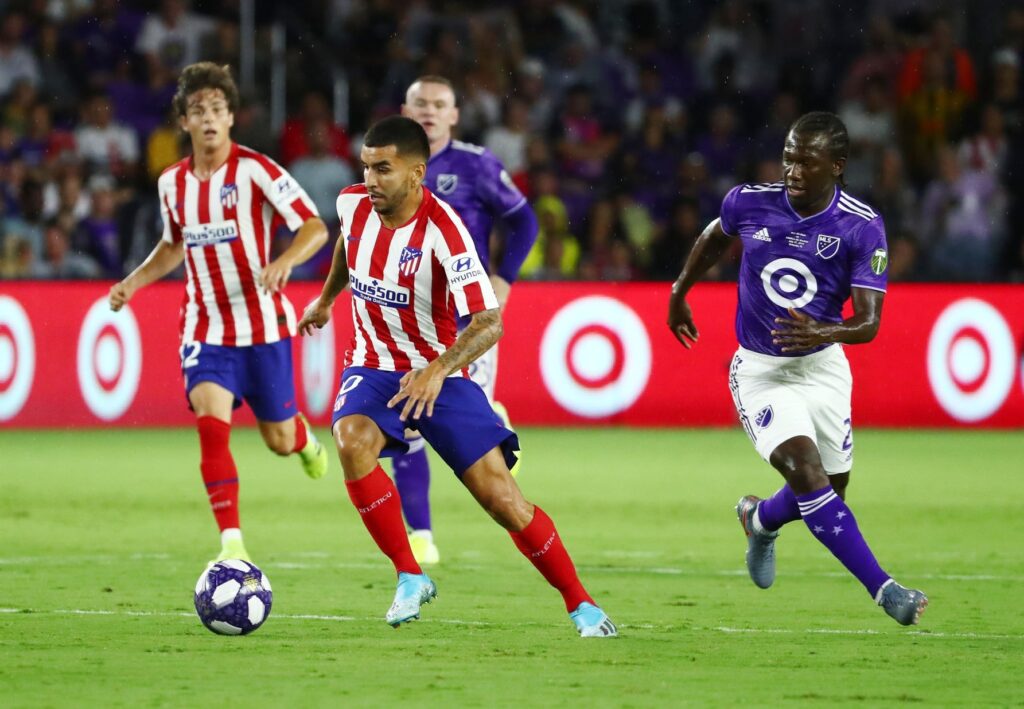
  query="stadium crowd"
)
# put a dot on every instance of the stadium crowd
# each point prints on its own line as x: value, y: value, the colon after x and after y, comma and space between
x: 624, y: 121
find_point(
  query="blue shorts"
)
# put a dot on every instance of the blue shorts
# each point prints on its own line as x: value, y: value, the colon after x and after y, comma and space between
x: 259, y: 374
x: 463, y: 428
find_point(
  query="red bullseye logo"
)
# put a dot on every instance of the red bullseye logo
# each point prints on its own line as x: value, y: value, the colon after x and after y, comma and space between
x: 971, y: 360
x: 17, y: 357
x: 109, y: 360
x: 595, y: 357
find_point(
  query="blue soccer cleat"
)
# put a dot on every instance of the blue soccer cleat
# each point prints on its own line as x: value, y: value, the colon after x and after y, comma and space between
x: 592, y: 622
x: 413, y: 591
x: 760, y: 545
x: 904, y: 605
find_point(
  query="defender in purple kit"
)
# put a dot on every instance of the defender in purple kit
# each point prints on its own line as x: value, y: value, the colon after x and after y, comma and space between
x: 808, y: 246
x: 472, y: 180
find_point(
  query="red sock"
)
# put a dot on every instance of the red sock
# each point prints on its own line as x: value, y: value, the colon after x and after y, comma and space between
x: 300, y: 435
x: 219, y: 471
x: 376, y: 498
x: 539, y: 542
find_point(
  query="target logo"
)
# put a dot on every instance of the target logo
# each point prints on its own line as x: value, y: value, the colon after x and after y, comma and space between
x: 971, y: 360
x: 109, y: 360
x: 789, y: 283
x: 595, y: 357
x: 17, y: 357
x: 318, y: 368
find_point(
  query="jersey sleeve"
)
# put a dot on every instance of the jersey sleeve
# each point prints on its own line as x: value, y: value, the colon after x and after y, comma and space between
x: 869, y: 257
x: 730, y: 213
x: 467, y: 280
x: 496, y: 189
x: 284, y: 192
x: 172, y: 230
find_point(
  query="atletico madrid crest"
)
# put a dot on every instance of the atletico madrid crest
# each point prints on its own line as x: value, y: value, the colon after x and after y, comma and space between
x: 229, y: 195
x: 409, y: 261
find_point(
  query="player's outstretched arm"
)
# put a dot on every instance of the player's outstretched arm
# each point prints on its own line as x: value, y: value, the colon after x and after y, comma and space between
x: 164, y: 258
x: 706, y: 251
x: 801, y: 332
x: 318, y: 312
x: 308, y: 240
x: 421, y: 387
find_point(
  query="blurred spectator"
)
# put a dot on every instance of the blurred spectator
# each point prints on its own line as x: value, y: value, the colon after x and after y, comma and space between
x: 105, y: 145
x: 673, y: 243
x: 547, y: 260
x: 508, y: 140
x: 16, y: 260
x: 931, y: 115
x: 881, y: 60
x: 139, y: 102
x: 20, y: 100
x: 733, y: 33
x: 171, y: 39
x: 27, y: 226
x: 97, y: 235
x: 651, y: 94
x: 17, y: 63
x: 479, y: 107
x: 962, y: 215
x: 647, y: 161
x: 314, y: 110
x: 42, y: 144
x: 59, y: 261
x: 321, y: 173
x: 56, y: 82
x: 904, y: 262
x: 165, y: 145
x: 721, y: 149
x: 66, y: 195
x: 693, y: 183
x: 918, y: 71
x: 531, y: 88
x: 100, y: 40
x: 871, y: 125
x: 986, y: 150
x: 892, y: 195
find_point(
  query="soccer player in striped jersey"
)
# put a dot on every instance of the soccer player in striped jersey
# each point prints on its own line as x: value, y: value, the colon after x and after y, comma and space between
x: 413, y: 269
x: 236, y: 327
x: 472, y: 180
x: 808, y: 246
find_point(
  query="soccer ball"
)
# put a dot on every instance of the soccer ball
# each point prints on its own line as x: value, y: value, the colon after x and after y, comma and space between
x: 233, y: 597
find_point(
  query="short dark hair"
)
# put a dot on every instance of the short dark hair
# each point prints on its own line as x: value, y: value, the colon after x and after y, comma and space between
x: 437, y: 79
x: 828, y: 124
x: 405, y: 134
x: 205, y: 75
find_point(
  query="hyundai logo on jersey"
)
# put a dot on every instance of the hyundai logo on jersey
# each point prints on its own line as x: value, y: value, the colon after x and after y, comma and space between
x: 463, y: 264
x: 764, y: 417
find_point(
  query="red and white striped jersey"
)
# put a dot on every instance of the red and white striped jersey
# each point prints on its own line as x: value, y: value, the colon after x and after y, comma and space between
x: 408, y: 283
x: 225, y: 225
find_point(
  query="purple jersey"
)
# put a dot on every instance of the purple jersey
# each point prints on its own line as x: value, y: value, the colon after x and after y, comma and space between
x: 472, y: 180
x: 808, y: 263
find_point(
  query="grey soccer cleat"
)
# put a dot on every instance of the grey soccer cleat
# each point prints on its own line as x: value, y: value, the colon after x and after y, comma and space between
x: 760, y: 545
x: 904, y: 605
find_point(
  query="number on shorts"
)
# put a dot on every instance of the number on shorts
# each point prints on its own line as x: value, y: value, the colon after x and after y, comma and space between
x: 848, y: 441
x: 350, y: 383
x: 192, y: 358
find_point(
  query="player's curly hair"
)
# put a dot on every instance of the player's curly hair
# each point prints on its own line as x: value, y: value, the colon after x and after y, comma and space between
x: 832, y: 127
x: 205, y: 75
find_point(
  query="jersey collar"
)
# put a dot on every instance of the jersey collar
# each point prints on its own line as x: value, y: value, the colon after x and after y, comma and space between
x: 439, y: 153
x: 823, y: 213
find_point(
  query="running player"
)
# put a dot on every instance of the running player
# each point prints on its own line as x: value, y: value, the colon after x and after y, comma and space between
x: 413, y: 267
x: 808, y: 246
x: 472, y: 180
x: 237, y: 325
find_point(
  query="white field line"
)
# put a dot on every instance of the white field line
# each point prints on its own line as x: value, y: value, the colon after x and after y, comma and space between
x: 450, y: 621
x: 326, y: 564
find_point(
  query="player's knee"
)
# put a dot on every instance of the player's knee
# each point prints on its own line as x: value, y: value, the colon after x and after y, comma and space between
x: 355, y: 439
x: 278, y: 441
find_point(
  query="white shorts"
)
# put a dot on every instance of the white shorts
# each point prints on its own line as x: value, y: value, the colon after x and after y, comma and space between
x: 484, y: 371
x: 778, y: 398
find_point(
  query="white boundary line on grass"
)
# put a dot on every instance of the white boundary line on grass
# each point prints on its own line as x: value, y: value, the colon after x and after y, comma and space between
x: 450, y: 621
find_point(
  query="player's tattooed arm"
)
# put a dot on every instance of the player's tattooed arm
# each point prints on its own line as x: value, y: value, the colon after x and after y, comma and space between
x: 421, y: 387
x: 802, y: 332
x: 706, y: 252
x: 318, y: 312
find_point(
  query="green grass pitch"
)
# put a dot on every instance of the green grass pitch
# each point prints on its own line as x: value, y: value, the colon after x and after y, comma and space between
x: 103, y: 534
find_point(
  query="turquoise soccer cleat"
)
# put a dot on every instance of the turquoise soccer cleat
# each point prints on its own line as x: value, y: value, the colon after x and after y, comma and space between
x: 592, y: 622
x: 412, y: 592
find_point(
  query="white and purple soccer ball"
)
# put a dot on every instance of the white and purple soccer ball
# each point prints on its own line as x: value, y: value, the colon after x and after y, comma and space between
x: 233, y: 597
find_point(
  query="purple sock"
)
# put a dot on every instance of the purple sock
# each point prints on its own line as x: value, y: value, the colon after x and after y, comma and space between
x: 412, y: 478
x: 779, y: 509
x: 832, y: 523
